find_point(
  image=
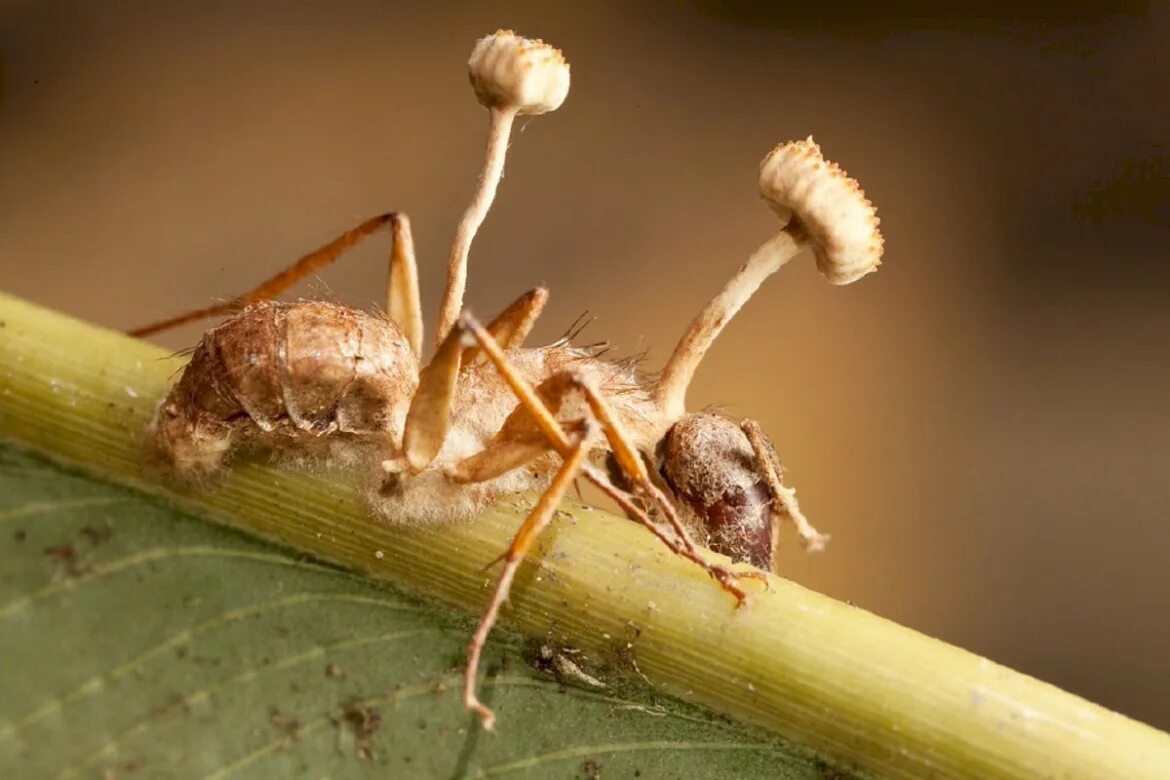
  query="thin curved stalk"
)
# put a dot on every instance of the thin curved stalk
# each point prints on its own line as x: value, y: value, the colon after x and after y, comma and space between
x: 500, y: 123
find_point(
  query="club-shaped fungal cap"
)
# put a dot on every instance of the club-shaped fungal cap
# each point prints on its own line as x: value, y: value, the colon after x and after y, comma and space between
x: 806, y: 190
x: 510, y: 71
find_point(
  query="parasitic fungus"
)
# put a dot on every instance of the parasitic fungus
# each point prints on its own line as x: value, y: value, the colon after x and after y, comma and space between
x: 808, y: 192
x: 511, y: 75
x: 820, y: 208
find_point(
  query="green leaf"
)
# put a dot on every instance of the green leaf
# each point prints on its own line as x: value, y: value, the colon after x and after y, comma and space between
x: 137, y: 640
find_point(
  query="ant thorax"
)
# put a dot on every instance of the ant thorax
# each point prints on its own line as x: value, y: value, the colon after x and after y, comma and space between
x: 485, y: 416
x: 480, y: 410
x: 316, y: 382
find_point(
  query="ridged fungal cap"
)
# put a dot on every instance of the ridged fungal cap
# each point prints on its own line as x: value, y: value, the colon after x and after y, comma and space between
x: 802, y: 186
x: 510, y: 71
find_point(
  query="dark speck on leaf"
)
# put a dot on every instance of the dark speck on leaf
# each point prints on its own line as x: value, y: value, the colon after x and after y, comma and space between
x: 97, y: 535
x: 121, y: 770
x: 826, y: 771
x: 289, y: 725
x: 363, y: 721
x: 175, y: 703
x: 61, y: 552
x: 66, y: 556
x: 20, y: 535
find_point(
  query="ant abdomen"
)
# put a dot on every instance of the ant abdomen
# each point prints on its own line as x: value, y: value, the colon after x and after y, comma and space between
x: 710, y: 466
x: 280, y: 372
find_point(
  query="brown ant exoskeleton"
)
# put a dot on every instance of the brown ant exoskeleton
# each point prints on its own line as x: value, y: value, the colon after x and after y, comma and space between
x: 488, y: 416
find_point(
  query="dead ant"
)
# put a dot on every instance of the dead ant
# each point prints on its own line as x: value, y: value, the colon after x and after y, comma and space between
x: 488, y: 416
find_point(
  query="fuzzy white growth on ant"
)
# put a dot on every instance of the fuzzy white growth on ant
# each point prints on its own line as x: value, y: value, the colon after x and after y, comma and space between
x: 487, y: 416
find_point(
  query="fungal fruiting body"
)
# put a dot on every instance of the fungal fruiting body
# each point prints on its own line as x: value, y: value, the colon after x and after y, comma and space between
x: 808, y: 192
x: 511, y: 75
x: 511, y: 72
x: 487, y: 415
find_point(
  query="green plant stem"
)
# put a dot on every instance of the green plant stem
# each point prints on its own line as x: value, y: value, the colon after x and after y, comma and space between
x: 851, y: 686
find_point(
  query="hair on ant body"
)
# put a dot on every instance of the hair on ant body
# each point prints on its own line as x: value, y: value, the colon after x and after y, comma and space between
x: 485, y: 415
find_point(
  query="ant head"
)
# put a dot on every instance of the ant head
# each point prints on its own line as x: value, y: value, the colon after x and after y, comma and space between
x: 727, y: 473
x: 710, y: 465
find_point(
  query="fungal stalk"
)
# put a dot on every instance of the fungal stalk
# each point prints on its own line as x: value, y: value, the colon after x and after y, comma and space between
x: 511, y: 75
x: 820, y: 208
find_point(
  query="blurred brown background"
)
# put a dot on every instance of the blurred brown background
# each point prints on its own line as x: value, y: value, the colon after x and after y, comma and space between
x: 982, y: 426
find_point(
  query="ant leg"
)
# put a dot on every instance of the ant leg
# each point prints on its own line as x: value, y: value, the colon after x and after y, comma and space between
x: 682, y: 546
x: 524, y: 434
x: 430, y: 409
x: 784, y: 498
x: 494, y: 460
x: 402, y: 268
x: 502, y: 456
x: 402, y: 296
x: 516, y: 443
x: 429, y: 416
x: 543, y: 418
x: 635, y: 469
x: 537, y: 521
x: 513, y: 324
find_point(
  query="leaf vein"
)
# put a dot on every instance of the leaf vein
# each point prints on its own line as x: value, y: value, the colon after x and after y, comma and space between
x: 34, y: 508
x: 111, y: 748
x: 101, y: 570
x: 402, y: 694
x: 617, y: 747
x: 102, y: 681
